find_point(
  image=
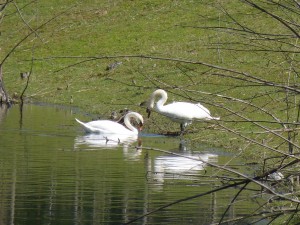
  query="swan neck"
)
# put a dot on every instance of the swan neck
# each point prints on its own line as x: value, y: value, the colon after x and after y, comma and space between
x: 163, y: 98
x: 128, y: 124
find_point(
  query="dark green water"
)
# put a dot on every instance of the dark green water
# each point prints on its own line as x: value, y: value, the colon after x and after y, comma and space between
x: 51, y: 173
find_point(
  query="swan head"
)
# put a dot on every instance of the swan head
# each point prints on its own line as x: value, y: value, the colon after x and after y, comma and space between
x: 151, y: 103
x: 140, y: 125
x: 138, y: 119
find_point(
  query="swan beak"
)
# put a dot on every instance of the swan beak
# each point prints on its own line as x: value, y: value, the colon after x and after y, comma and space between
x: 140, y: 126
x: 149, y: 112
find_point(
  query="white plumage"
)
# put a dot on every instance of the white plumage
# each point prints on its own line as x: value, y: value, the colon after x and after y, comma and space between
x: 111, y: 127
x: 180, y: 112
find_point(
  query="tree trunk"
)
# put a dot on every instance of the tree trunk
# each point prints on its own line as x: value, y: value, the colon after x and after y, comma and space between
x: 4, y: 99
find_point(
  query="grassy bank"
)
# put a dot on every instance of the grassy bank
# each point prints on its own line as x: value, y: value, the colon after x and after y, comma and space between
x: 226, y: 56
x: 240, y: 59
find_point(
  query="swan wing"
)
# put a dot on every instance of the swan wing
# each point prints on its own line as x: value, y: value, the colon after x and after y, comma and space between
x: 185, y: 111
x: 86, y: 127
x: 104, y: 126
x: 110, y: 127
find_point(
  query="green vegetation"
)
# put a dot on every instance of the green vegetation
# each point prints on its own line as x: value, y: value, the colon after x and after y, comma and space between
x: 232, y: 57
x: 238, y: 58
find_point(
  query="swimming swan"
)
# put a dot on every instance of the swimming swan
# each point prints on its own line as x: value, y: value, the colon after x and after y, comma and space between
x: 180, y: 112
x: 111, y: 127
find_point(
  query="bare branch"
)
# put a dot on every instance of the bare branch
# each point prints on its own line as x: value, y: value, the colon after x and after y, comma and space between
x: 22, y: 18
x: 257, y: 79
x: 281, y: 20
x: 244, y: 182
x: 32, y: 32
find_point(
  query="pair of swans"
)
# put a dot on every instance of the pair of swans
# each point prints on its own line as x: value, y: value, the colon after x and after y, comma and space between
x: 180, y: 112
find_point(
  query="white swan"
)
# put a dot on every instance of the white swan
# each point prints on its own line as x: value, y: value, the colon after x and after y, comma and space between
x: 180, y: 112
x: 111, y: 127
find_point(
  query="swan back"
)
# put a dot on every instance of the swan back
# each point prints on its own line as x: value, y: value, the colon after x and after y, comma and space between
x: 111, y: 127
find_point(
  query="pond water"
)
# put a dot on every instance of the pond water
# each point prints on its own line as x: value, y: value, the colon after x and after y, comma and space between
x: 52, y: 173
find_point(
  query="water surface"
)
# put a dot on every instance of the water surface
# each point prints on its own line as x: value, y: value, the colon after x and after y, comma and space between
x: 52, y: 173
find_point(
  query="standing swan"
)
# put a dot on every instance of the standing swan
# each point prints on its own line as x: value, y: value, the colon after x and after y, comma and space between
x: 111, y: 127
x: 180, y: 112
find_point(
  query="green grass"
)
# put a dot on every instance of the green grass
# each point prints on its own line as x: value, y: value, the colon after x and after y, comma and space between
x: 172, y: 34
x: 166, y: 29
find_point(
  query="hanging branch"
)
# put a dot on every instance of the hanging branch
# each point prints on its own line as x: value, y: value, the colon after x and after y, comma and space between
x: 292, y: 216
x: 24, y: 21
x: 232, y: 201
x: 32, y: 32
x: 276, y: 17
x: 5, y: 97
x: 28, y: 77
x: 247, y: 75
x: 243, y: 182
x: 3, y: 5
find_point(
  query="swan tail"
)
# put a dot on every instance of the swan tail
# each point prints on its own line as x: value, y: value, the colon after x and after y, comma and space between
x: 87, y: 128
x: 208, y: 112
x: 80, y: 122
x: 203, y: 108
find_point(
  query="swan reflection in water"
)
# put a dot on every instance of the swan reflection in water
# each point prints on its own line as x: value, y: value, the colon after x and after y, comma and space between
x: 109, y: 141
x: 180, y: 167
x: 104, y: 141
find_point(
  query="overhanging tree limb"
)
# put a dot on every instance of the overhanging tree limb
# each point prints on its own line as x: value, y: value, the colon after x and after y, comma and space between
x: 244, y: 182
x: 30, y: 33
x: 278, y: 18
